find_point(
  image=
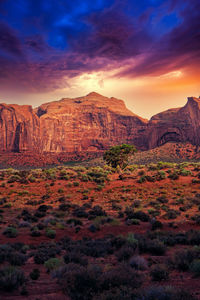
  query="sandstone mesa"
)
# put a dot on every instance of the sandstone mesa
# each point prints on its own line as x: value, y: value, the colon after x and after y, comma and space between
x: 93, y: 123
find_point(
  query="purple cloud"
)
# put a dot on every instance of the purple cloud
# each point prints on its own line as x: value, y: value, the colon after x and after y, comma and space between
x: 52, y: 41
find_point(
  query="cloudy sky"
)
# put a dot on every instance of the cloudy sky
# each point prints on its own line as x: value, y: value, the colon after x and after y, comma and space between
x: 146, y: 52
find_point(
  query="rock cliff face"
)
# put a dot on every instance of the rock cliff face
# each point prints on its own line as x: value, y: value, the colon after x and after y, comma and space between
x: 89, y: 123
x: 179, y: 125
x: 93, y: 123
x: 19, y: 128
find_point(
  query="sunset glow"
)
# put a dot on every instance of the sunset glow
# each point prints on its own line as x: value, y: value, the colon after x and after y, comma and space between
x: 144, y: 52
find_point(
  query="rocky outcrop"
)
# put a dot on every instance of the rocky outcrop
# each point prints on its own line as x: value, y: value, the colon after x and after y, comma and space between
x: 19, y: 128
x: 93, y: 123
x: 178, y: 125
x: 89, y: 123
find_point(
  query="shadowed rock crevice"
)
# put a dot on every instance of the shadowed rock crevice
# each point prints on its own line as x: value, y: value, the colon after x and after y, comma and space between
x: 169, y: 137
x: 16, y: 143
x: 40, y: 112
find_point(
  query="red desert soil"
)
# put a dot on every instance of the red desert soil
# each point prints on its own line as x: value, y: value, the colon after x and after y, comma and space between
x: 124, y: 191
x: 172, y: 152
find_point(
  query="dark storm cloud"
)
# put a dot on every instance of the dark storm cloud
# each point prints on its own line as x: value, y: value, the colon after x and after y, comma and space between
x: 42, y: 42
x: 9, y: 43
x: 179, y: 48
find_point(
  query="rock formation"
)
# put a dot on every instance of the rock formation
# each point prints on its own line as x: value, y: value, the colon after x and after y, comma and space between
x: 179, y: 125
x: 89, y: 123
x: 19, y: 128
x: 93, y: 123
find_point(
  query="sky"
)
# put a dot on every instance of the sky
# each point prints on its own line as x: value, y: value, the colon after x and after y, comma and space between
x: 146, y: 52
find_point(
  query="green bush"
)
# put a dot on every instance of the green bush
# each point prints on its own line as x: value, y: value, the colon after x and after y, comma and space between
x: 160, y: 175
x: 142, y: 179
x: 50, y: 233
x: 10, y: 232
x: 173, y: 176
x: 184, y: 172
x: 131, y: 240
x: 53, y: 264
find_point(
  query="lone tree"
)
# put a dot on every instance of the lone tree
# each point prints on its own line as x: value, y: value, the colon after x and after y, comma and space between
x: 119, y: 155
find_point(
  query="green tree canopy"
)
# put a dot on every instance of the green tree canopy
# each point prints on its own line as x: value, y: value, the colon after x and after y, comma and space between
x: 119, y: 155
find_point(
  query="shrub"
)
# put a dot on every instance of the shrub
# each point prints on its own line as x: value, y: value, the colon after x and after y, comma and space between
x: 136, y: 203
x: 10, y: 232
x: 183, y: 258
x: 75, y: 257
x: 132, y: 222
x: 122, y: 293
x: 185, y: 172
x: 194, y: 180
x: 142, y: 179
x: 171, y: 214
x: 17, y: 259
x: 39, y: 214
x: 154, y: 213
x: 162, y: 199
x: 74, y: 221
x: 35, y: 232
x: 35, y: 274
x: 5, y: 252
x: 156, y: 225
x: 24, y: 224
x: 141, y: 173
x: 156, y: 247
x: 193, y: 237
x: 138, y: 262
x: 52, y: 264
x: 173, y: 176
x: 93, y: 228
x: 43, y: 254
x: 14, y: 178
x: 43, y: 208
x: 11, y: 278
x: 64, y: 206
x: 118, y: 241
x: 80, y: 212
x: 50, y: 233
x: 97, y: 175
x: 131, y: 241
x: 129, y: 213
x: 96, y: 248
x: 78, y: 282
x: 124, y: 253
x: 165, y: 293
x: 123, y: 275
x: 140, y: 215
x: 161, y: 175
x: 195, y: 267
x: 119, y: 155
x: 159, y: 272
x: 97, y: 211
